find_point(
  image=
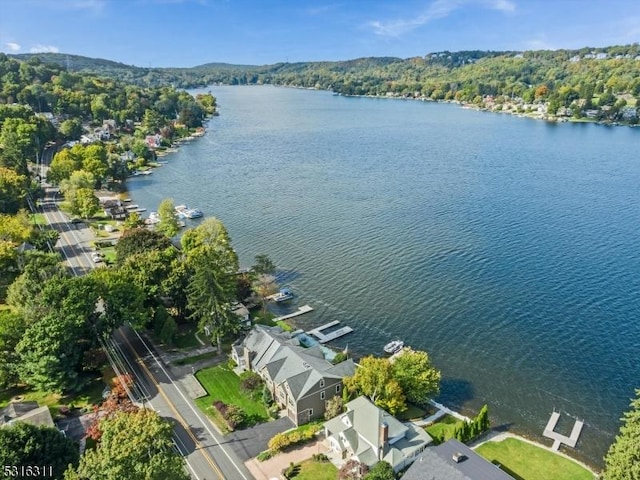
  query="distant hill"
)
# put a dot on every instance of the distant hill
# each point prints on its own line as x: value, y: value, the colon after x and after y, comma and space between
x: 561, y: 75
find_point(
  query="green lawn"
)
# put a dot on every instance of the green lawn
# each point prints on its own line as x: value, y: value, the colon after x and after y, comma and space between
x: 525, y: 461
x: 314, y: 470
x: 185, y: 338
x: 444, y: 426
x: 39, y: 219
x: 90, y: 395
x: 411, y: 413
x: 222, y: 384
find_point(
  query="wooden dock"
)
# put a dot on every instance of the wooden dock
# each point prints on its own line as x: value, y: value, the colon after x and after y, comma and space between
x: 301, y: 311
x: 324, y: 338
x: 558, y: 438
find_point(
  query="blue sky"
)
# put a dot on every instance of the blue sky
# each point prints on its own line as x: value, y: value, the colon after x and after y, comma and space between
x: 186, y: 33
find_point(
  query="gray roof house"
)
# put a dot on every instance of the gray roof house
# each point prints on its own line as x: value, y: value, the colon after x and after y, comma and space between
x: 300, y: 379
x: 28, y: 412
x: 453, y: 460
x: 369, y: 434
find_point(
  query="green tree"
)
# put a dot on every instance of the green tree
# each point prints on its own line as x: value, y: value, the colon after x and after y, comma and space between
x: 77, y: 180
x: 136, y: 446
x: 416, y: 375
x: 621, y: 461
x: 51, y: 353
x: 139, y: 240
x: 64, y: 163
x: 168, y: 330
x: 84, y: 203
x: 333, y: 407
x: 122, y: 299
x: 211, y: 291
x: 71, y: 129
x: 12, y: 327
x: 133, y: 220
x: 168, y: 224
x: 381, y: 471
x: 25, y: 444
x: 374, y: 378
x: 13, y: 190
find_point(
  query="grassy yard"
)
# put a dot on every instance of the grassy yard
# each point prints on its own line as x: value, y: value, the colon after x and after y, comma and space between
x: 444, y: 427
x: 411, y: 413
x: 185, y: 338
x: 222, y: 384
x: 314, y: 470
x: 90, y: 395
x: 525, y: 461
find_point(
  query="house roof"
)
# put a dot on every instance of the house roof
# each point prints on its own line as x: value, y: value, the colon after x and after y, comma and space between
x: 360, y: 426
x: 437, y: 463
x: 28, y: 412
x: 285, y: 361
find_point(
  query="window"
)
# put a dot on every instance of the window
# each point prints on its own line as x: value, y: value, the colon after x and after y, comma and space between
x: 322, y: 383
x: 322, y: 395
x: 338, y: 388
x: 311, y: 412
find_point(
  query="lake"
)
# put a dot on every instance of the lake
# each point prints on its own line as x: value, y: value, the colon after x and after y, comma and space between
x: 505, y: 247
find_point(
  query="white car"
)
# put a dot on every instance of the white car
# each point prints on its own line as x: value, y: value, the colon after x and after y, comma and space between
x: 96, y: 257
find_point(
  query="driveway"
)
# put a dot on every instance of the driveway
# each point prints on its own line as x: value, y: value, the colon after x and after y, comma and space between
x: 272, y: 468
x: 250, y: 442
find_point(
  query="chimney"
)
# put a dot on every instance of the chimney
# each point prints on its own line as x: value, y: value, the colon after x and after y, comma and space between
x: 383, y: 439
x: 247, y: 359
x: 458, y: 457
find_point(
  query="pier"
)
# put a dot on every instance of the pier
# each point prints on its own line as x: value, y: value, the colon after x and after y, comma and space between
x: 558, y: 439
x: 301, y: 311
x: 327, y: 337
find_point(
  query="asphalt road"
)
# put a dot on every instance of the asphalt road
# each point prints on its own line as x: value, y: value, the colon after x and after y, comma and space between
x: 195, y: 439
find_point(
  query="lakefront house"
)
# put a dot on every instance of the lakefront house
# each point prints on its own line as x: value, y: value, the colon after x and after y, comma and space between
x: 300, y: 379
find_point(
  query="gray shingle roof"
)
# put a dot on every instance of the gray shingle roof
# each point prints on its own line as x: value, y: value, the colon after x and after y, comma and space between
x: 437, y: 463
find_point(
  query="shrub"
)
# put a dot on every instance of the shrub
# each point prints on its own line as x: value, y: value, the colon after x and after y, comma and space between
x: 320, y: 457
x: 250, y: 381
x: 291, y: 471
x: 284, y: 440
x: 267, y: 399
x: 340, y: 357
x: 266, y: 455
x: 233, y: 415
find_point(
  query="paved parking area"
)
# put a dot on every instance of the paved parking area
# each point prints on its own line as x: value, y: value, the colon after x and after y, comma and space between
x: 250, y: 442
x: 272, y: 468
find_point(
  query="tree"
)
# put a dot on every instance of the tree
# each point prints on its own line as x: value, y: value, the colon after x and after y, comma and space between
x: 168, y: 330
x: 77, y: 180
x: 168, y: 224
x: 264, y: 285
x: 138, y: 240
x: 134, y: 445
x: 51, y: 353
x: 12, y: 327
x: 25, y: 444
x: 211, y: 291
x: 353, y: 470
x: 264, y: 265
x: 13, y: 190
x: 133, y: 220
x: 333, y: 407
x: 416, y: 375
x: 71, y: 129
x: 621, y: 461
x: 122, y: 300
x: 84, y: 203
x: 374, y: 378
x: 381, y: 471
x: 64, y: 163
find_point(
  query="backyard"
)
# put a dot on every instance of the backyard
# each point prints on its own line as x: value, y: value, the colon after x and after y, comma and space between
x: 443, y: 429
x: 315, y: 470
x: 524, y: 461
x: 221, y: 383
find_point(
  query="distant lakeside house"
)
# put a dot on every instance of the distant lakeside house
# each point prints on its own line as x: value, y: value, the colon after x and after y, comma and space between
x: 369, y: 434
x: 300, y: 379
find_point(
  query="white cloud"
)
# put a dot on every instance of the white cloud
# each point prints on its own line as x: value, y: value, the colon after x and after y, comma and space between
x: 436, y: 10
x: 13, y: 46
x: 44, y: 49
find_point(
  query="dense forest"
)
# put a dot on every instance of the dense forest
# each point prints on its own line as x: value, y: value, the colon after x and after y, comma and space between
x: 582, y: 79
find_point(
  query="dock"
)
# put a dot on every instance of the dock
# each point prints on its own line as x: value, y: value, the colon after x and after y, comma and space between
x: 324, y: 338
x: 301, y: 311
x: 558, y: 439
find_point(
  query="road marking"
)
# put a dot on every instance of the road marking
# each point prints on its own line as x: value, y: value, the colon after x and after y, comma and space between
x: 190, y: 405
x: 175, y: 411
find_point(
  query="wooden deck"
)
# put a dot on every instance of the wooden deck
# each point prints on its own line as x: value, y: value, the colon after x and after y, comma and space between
x: 301, y: 311
x: 324, y: 338
x: 558, y: 439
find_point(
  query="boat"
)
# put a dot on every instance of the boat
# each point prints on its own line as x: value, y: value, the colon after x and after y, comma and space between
x: 194, y: 213
x: 393, y: 347
x: 283, y: 295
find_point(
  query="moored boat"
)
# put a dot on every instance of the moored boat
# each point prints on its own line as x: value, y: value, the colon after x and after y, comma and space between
x: 393, y: 347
